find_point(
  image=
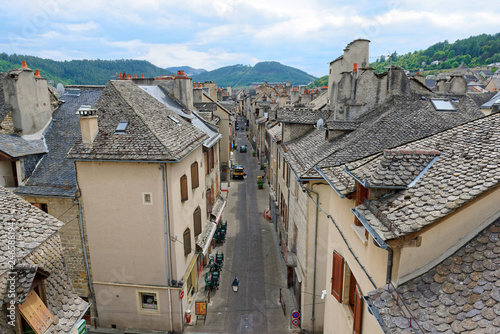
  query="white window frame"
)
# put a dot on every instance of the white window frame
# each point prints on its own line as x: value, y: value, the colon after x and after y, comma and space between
x: 150, y: 198
x: 143, y: 310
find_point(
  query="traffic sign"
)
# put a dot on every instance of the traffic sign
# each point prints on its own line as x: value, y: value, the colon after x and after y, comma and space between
x: 181, y: 295
x: 295, y: 322
x: 296, y: 314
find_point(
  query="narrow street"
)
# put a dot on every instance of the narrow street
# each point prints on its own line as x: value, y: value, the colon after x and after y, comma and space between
x: 251, y: 253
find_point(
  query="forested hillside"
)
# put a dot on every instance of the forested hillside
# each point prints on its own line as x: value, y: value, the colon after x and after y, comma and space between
x: 473, y: 51
x: 243, y: 75
x: 320, y: 82
x: 82, y: 72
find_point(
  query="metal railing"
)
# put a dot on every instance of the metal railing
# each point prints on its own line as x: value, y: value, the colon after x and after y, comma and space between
x: 381, y: 217
x: 402, y: 306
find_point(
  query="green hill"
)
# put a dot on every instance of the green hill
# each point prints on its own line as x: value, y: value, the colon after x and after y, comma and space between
x: 243, y: 75
x: 187, y: 69
x: 82, y: 72
x: 473, y: 51
x: 320, y: 82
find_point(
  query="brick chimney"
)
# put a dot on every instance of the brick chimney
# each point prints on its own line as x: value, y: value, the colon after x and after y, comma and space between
x: 88, y: 124
x: 27, y: 97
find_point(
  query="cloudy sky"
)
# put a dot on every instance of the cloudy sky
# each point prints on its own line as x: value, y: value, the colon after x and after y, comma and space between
x: 213, y: 33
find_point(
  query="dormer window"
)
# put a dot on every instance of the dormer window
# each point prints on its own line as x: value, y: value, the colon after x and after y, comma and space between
x: 122, y: 126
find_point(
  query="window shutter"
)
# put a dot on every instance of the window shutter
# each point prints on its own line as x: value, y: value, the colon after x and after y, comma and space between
x: 358, y: 305
x: 194, y: 175
x: 212, y: 160
x: 337, y: 276
x: 36, y: 313
x: 184, y: 188
x: 197, y: 221
x: 187, y: 241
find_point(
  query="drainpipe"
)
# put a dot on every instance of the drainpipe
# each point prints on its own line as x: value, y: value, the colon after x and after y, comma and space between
x: 85, y: 257
x: 167, y: 238
x: 315, y: 257
x: 377, y: 241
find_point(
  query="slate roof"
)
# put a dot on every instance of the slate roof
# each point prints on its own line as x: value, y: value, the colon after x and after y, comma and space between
x: 276, y: 132
x: 493, y: 98
x: 55, y: 174
x: 154, y: 132
x: 467, y: 167
x: 342, y: 125
x: 481, y: 98
x: 162, y: 96
x: 402, y: 120
x: 38, y: 246
x: 301, y: 116
x: 205, y: 106
x: 460, y: 295
x: 320, y: 101
x: 394, y: 168
x: 16, y: 146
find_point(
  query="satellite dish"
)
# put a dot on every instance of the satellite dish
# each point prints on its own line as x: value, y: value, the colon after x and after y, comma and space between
x: 60, y: 89
x: 319, y: 123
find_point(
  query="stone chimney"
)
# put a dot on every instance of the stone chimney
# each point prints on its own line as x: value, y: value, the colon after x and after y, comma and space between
x: 197, y: 94
x: 88, y: 124
x: 27, y: 96
x: 183, y: 90
x: 212, y: 86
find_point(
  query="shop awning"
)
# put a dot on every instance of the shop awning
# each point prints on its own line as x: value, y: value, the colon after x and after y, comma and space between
x: 206, y: 236
x: 217, y: 209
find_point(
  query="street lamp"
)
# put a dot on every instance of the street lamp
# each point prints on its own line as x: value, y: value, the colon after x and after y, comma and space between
x: 235, y: 284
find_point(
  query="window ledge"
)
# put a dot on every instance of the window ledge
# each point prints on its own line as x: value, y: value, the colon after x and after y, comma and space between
x: 360, y: 232
x: 348, y: 316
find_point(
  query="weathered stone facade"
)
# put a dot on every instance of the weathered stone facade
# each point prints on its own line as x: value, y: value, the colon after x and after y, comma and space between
x: 67, y: 212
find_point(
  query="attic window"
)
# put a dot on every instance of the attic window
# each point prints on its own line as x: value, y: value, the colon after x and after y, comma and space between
x: 122, y: 126
x: 443, y: 105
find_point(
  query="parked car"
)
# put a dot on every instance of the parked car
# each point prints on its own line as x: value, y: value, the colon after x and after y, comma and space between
x: 238, y: 172
x: 236, y: 127
x: 243, y: 149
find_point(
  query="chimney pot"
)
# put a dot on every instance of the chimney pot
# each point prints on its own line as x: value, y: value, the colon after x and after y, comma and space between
x: 142, y: 76
x: 354, y: 67
x: 37, y: 73
x: 135, y: 76
x: 23, y: 64
x: 120, y: 76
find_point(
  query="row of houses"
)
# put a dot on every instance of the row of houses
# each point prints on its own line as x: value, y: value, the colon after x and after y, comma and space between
x: 114, y: 193
x: 385, y: 200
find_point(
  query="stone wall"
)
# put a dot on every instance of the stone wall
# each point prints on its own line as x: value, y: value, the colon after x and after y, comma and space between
x: 292, y: 131
x: 67, y: 212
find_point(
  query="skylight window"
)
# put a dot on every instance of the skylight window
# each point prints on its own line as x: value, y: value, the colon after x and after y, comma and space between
x: 73, y: 91
x: 122, y: 126
x: 443, y: 105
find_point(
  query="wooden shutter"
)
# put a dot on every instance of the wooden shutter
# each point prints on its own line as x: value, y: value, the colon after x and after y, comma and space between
x: 36, y: 313
x: 337, y: 276
x: 358, y: 306
x: 361, y: 194
x: 195, y: 182
x: 212, y: 158
x: 197, y: 221
x: 187, y: 241
x: 207, y: 163
x: 184, y: 188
